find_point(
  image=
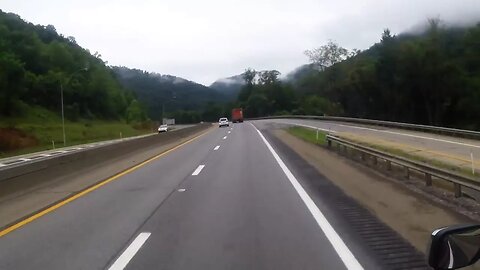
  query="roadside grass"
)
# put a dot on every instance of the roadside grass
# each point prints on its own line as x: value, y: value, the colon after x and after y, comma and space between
x: 309, y: 135
x: 46, y: 127
x: 433, y: 162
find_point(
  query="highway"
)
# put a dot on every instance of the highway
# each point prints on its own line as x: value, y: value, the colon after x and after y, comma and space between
x: 21, y: 160
x: 453, y: 150
x: 233, y: 198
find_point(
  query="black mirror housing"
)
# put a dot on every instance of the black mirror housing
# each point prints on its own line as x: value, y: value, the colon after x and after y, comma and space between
x: 454, y: 247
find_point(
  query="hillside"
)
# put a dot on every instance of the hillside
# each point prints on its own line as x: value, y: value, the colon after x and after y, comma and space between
x: 429, y: 78
x: 299, y: 74
x: 36, y: 63
x: 153, y: 90
x: 230, y: 86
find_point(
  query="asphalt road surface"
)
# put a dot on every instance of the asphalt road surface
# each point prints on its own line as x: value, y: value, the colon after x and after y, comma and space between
x: 227, y: 200
x: 37, y: 156
x: 442, y: 147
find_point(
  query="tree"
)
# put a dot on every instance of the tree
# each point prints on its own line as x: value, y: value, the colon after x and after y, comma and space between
x: 268, y: 77
x: 12, y: 76
x: 249, y: 76
x: 327, y: 55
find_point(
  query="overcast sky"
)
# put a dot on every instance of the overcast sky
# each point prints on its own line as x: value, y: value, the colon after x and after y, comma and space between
x: 203, y: 40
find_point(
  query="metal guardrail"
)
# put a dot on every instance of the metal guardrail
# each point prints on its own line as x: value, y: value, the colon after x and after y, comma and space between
x: 458, y: 181
x: 432, y: 129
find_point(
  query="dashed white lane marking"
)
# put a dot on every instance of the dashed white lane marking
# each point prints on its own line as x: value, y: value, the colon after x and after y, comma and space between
x: 24, y: 159
x: 224, y: 137
x: 340, y: 247
x: 2, y: 165
x: 128, y: 254
x: 229, y: 132
x: 181, y: 190
x: 45, y: 155
x: 216, y: 148
x: 198, y: 170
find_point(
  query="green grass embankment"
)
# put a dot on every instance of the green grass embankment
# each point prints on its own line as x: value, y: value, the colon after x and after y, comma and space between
x: 35, y: 131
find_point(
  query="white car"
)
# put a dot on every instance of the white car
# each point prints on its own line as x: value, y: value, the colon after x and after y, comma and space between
x: 223, y: 122
x: 163, y: 128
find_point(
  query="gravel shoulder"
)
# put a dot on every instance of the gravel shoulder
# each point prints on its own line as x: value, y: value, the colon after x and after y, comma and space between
x: 409, y: 213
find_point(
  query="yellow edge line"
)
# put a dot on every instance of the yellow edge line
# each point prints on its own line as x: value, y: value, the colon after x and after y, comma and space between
x: 90, y: 189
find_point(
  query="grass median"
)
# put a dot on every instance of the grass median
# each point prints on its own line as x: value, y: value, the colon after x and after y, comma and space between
x: 309, y: 135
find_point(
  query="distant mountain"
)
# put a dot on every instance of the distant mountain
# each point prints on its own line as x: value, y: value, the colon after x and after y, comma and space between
x: 299, y: 73
x: 154, y: 89
x: 230, y: 87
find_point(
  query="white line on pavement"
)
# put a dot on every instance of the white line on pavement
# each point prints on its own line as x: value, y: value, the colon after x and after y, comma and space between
x: 24, y: 159
x: 229, y: 132
x: 2, y: 165
x: 198, y: 169
x: 413, y: 136
x: 128, y: 254
x: 312, y: 127
x: 45, y: 155
x: 340, y: 247
x: 216, y: 148
x: 224, y: 137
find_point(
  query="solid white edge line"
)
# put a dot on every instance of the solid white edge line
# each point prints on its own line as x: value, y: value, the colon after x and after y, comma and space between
x: 132, y: 249
x: 224, y: 137
x: 385, y: 131
x: 412, y: 135
x: 216, y: 148
x: 312, y: 127
x: 198, y: 170
x: 340, y: 247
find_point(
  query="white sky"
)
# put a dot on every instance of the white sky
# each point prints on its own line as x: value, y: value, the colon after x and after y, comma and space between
x: 203, y: 40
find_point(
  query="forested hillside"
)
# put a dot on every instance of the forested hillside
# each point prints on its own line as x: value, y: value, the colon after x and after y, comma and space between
x: 230, y: 87
x: 35, y: 61
x: 429, y: 78
x: 432, y: 78
x: 174, y: 93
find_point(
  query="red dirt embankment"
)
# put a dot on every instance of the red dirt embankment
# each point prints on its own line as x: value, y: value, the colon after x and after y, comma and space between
x: 14, y: 139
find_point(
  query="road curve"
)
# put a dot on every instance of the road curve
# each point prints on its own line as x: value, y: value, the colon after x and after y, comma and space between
x: 458, y: 151
x: 227, y: 200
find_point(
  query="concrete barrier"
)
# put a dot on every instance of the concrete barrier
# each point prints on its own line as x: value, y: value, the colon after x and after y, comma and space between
x: 92, y: 156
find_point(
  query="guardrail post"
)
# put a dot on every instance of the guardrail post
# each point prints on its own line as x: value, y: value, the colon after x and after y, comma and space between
x: 374, y: 160
x: 362, y: 156
x: 428, y: 179
x: 329, y: 143
x: 458, y: 190
x: 407, y: 172
x: 389, y: 165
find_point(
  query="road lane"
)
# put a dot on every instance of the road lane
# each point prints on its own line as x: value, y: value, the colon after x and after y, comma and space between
x: 454, y: 150
x: 241, y: 212
x: 88, y: 232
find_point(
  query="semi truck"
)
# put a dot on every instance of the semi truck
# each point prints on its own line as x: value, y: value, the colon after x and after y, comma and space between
x: 237, y: 115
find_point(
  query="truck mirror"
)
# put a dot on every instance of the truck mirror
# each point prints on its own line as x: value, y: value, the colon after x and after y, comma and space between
x: 454, y: 247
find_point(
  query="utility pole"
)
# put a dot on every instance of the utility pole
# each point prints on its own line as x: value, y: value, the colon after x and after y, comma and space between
x: 61, y: 101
